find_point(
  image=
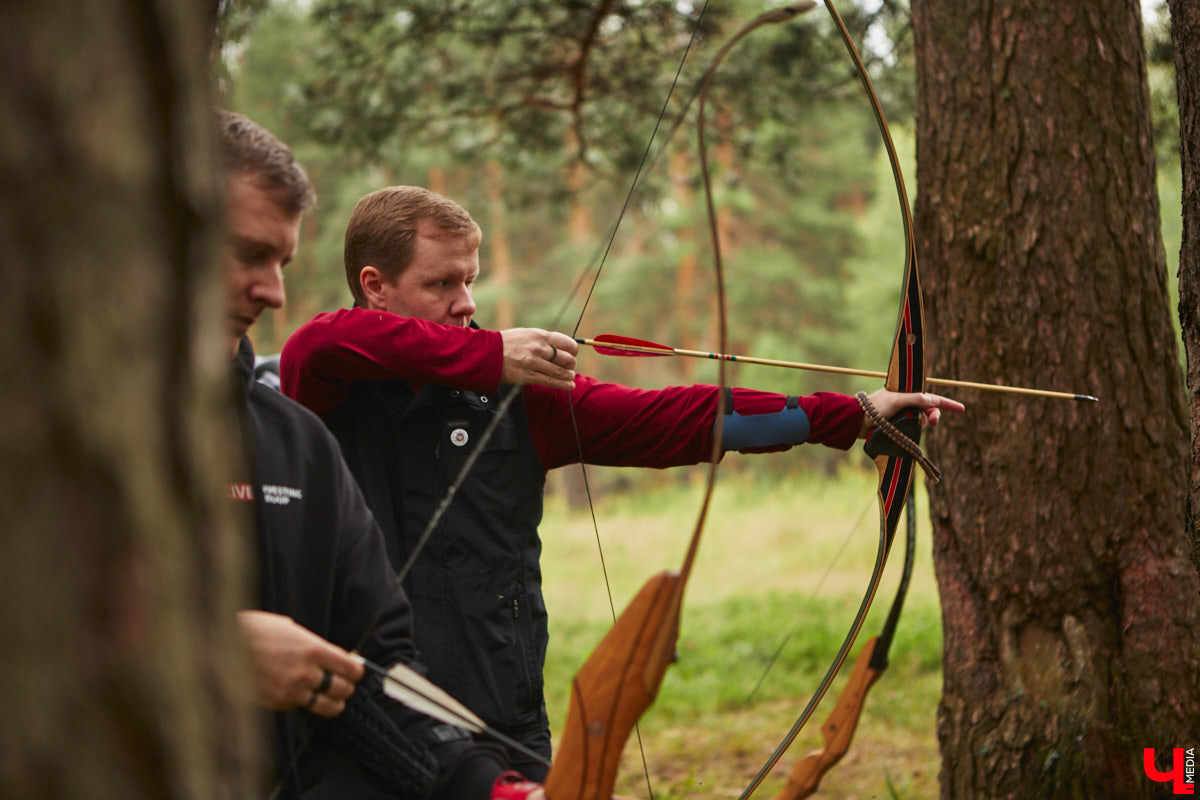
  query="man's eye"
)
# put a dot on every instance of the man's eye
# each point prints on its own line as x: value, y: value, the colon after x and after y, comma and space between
x: 250, y: 256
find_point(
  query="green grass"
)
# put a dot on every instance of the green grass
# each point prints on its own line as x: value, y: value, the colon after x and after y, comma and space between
x: 781, y: 559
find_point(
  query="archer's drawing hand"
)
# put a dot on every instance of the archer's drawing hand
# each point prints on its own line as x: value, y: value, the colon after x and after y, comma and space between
x: 931, y: 406
x: 290, y: 664
x: 535, y: 356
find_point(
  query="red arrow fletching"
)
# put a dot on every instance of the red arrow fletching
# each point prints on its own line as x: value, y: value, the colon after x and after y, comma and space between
x: 644, y: 348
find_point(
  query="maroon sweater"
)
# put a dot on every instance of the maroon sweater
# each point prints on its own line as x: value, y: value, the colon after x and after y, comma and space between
x: 618, y: 425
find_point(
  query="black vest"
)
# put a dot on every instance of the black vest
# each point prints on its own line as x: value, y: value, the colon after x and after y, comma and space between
x: 476, y: 588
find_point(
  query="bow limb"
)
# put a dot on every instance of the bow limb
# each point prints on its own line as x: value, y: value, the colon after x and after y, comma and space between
x: 622, y: 676
x: 614, y: 688
x: 838, y: 730
x: 895, y: 470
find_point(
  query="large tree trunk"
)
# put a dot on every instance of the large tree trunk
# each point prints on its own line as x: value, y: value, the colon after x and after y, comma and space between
x: 121, y: 568
x: 1185, y: 33
x: 1069, y: 602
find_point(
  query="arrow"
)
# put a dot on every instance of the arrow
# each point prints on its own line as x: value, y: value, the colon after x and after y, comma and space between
x: 608, y: 344
x: 405, y: 685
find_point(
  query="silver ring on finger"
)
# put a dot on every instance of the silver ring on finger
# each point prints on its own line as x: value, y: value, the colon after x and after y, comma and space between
x: 553, y: 354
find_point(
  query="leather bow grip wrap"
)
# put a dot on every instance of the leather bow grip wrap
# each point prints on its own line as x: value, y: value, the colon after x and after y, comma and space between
x: 878, y: 444
x: 620, y: 681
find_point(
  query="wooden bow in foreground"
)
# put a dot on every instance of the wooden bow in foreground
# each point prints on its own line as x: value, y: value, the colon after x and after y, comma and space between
x: 622, y: 676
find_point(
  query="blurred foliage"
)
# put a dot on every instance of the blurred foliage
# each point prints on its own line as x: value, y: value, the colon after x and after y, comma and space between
x: 1164, y: 116
x: 1160, y: 60
x: 535, y: 116
x: 236, y: 17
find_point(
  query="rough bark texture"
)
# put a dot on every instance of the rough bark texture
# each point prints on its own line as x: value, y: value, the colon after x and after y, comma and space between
x: 1069, y: 602
x: 1185, y: 33
x: 121, y: 567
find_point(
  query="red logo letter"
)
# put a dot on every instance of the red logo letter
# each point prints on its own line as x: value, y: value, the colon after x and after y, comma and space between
x: 1176, y: 773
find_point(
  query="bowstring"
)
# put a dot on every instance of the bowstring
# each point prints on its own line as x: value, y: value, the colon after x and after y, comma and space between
x: 806, y: 606
x: 603, y: 259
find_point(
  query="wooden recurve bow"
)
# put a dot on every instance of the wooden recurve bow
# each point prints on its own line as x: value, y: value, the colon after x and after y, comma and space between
x: 906, y: 373
x: 621, y: 678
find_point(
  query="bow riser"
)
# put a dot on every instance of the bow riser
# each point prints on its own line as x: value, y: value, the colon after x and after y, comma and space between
x: 895, y: 475
x: 906, y: 367
x: 906, y: 371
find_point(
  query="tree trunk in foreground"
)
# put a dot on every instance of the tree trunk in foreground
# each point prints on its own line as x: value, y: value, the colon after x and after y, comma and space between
x: 1069, y: 601
x: 121, y: 568
x: 1185, y: 33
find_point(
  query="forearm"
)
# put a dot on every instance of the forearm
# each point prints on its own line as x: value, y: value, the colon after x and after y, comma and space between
x: 405, y: 753
x: 765, y: 422
x: 623, y: 426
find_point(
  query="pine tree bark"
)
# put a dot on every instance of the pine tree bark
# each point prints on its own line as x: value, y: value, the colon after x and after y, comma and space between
x: 121, y: 567
x: 1069, y: 602
x: 1185, y: 33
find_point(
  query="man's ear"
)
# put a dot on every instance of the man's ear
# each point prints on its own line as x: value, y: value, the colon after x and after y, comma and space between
x: 373, y: 286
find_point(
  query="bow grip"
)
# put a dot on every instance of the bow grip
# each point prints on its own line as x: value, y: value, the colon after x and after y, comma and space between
x: 908, y: 422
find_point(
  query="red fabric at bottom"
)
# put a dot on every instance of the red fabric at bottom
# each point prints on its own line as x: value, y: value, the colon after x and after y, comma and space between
x: 512, y: 786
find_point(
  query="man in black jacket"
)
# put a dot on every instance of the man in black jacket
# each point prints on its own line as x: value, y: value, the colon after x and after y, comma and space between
x: 324, y: 574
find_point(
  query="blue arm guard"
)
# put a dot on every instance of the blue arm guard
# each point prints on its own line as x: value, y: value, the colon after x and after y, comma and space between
x: 786, y: 427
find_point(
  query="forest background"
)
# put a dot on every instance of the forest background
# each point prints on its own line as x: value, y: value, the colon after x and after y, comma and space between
x: 1059, y: 643
x: 487, y: 108
x: 481, y: 102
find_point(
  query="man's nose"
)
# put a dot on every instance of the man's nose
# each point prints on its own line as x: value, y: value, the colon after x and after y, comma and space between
x: 464, y: 304
x: 270, y: 289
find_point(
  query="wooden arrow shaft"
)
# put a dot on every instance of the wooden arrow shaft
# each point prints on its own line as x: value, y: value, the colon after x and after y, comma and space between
x: 772, y: 362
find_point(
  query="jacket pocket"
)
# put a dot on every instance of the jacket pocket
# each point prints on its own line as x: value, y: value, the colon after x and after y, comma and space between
x: 480, y: 651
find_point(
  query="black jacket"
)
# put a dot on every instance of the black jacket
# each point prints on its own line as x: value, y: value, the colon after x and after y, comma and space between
x: 476, y: 589
x: 323, y: 564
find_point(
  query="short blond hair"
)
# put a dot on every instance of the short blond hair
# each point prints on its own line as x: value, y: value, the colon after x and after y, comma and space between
x: 383, y: 228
